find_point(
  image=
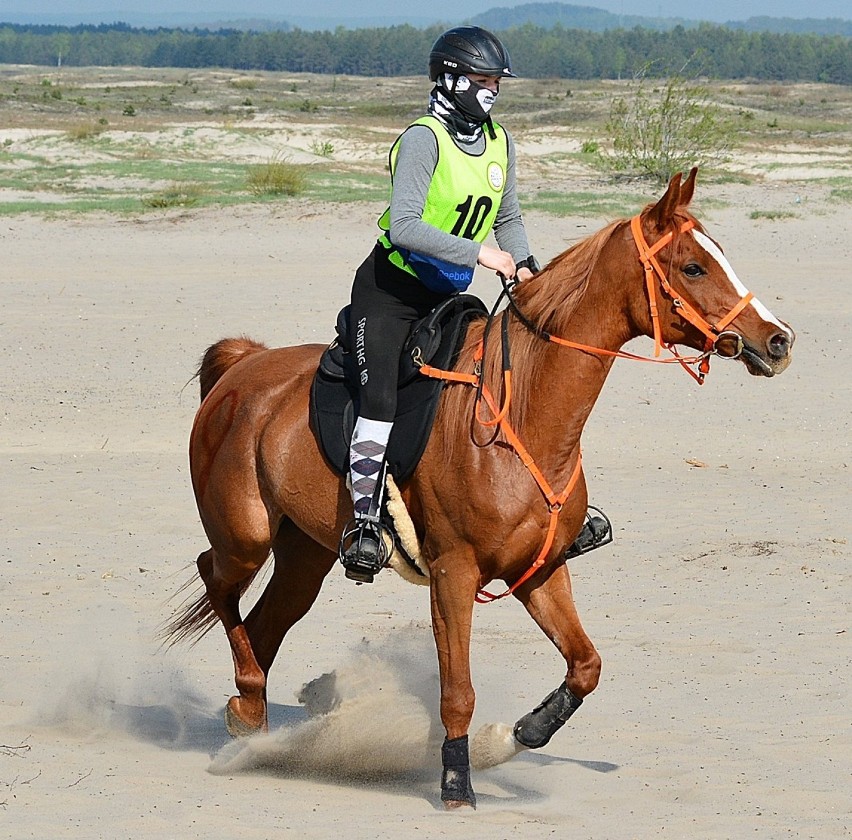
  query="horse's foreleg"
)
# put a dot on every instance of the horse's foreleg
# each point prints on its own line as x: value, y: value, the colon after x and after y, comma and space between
x: 453, y: 592
x: 222, y: 578
x: 551, y: 604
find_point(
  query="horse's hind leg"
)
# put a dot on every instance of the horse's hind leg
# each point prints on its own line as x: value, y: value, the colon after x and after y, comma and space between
x: 225, y: 578
x: 301, y: 565
x: 551, y: 604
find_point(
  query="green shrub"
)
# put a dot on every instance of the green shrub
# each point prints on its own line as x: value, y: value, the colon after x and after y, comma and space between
x: 660, y: 128
x: 322, y: 148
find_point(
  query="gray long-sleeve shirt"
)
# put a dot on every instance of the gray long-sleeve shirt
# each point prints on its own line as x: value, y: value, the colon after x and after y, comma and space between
x: 416, y: 162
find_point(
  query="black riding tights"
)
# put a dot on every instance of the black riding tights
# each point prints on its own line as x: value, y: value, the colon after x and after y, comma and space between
x: 386, y: 301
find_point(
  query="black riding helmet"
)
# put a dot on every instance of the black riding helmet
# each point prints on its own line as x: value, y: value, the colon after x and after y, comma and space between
x: 469, y: 49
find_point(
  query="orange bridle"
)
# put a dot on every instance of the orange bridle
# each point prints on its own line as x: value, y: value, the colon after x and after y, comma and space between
x: 713, y: 332
x: 647, y: 256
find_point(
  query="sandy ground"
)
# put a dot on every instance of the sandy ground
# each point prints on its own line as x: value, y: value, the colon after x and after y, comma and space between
x: 722, y: 610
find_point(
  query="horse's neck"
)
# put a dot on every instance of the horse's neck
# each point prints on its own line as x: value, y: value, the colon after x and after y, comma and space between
x: 564, y: 382
x: 564, y: 385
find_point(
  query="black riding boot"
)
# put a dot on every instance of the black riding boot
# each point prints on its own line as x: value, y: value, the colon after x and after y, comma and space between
x: 363, y: 551
x: 596, y: 531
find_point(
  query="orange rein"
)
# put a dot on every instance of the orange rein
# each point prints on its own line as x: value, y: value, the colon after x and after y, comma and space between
x: 555, y: 502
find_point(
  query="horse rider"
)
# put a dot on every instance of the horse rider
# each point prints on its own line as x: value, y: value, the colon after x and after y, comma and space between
x: 452, y: 183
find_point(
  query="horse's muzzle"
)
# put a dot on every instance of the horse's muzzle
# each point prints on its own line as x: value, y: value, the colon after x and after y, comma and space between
x: 774, y: 357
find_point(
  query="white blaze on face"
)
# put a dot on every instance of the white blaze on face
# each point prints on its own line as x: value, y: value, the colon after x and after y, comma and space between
x: 714, y: 251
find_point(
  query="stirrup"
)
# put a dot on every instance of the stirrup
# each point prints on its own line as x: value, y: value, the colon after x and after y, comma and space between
x: 363, y: 549
x: 596, y: 531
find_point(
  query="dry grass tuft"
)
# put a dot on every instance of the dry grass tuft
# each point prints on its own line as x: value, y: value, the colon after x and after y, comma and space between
x: 276, y: 177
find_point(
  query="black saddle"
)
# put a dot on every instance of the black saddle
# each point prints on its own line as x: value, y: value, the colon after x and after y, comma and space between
x: 434, y: 340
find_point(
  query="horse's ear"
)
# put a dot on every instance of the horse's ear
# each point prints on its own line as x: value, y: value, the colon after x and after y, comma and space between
x: 662, y: 213
x: 687, y: 188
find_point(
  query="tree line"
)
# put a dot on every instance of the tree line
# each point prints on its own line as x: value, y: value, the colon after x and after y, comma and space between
x: 557, y: 52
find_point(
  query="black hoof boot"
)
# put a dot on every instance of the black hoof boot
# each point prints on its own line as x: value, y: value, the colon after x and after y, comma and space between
x: 537, y: 728
x: 456, y: 789
x: 596, y: 531
x: 362, y: 550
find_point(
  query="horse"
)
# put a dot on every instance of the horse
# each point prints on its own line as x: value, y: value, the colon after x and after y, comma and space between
x: 263, y: 486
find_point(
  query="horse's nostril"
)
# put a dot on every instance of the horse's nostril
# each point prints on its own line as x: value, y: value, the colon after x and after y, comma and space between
x: 779, y: 345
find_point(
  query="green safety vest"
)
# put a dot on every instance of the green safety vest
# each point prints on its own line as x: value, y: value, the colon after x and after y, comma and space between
x: 463, y: 199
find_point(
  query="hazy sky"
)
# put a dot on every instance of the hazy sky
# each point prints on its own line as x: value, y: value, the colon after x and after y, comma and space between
x: 449, y: 11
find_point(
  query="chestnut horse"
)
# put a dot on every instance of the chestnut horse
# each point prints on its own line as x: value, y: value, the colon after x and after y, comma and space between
x: 262, y: 484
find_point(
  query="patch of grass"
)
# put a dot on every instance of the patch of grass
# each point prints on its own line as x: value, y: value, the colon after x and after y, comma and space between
x: 721, y: 176
x: 348, y: 187
x: 85, y: 131
x: 107, y: 204
x: 175, y: 195
x: 841, y: 189
x: 276, y: 177
x: 244, y: 83
x: 146, y: 151
x: 582, y: 203
x: 110, y: 185
x: 400, y: 112
x: 771, y: 215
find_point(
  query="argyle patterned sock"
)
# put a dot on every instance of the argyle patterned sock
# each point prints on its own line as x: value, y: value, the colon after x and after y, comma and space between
x: 366, y: 457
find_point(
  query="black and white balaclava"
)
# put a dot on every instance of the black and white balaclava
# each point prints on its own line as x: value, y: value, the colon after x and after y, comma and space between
x: 462, y: 105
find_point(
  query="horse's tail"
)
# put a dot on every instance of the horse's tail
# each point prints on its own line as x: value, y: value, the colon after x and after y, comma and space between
x: 222, y: 355
x: 195, y: 616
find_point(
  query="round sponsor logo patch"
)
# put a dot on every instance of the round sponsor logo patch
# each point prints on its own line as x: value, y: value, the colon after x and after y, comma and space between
x: 495, y: 176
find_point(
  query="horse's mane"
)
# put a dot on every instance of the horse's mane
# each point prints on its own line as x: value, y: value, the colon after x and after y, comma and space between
x: 548, y: 300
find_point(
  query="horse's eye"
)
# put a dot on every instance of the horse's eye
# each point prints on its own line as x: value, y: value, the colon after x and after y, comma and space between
x: 693, y: 270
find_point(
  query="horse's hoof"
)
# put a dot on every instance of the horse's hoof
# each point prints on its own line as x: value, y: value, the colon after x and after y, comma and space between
x: 493, y: 744
x: 455, y: 804
x: 237, y: 725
